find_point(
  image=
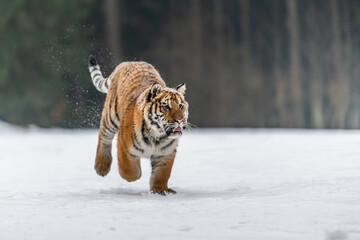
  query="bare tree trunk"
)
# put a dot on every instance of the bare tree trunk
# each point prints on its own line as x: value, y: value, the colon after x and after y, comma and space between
x: 249, y: 80
x: 354, y: 101
x: 196, y: 53
x: 339, y: 87
x: 296, y: 90
x: 316, y: 80
x: 197, y: 38
x: 244, y: 23
x: 281, y: 85
x: 112, y: 9
x: 220, y: 68
x: 172, y: 50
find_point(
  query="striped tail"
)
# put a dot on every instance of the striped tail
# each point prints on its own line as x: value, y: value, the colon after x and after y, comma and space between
x: 101, y: 83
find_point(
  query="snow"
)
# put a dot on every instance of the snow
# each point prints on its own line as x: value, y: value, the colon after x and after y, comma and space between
x: 231, y: 184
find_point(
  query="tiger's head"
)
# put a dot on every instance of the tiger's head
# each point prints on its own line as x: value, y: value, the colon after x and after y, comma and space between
x: 167, y: 110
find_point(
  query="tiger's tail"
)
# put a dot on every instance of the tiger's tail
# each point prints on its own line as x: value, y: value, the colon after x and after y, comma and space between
x: 102, y: 84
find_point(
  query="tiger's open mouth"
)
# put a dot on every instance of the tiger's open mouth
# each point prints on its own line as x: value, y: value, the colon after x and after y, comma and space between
x: 177, y: 129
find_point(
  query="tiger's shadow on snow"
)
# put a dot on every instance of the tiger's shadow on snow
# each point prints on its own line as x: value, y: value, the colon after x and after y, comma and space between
x: 182, y: 194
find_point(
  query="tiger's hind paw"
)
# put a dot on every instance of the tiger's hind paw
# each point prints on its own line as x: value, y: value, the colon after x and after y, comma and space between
x: 102, y: 166
x: 163, y: 192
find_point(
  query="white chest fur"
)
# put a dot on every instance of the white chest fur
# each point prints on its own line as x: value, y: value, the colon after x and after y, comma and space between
x: 145, y: 148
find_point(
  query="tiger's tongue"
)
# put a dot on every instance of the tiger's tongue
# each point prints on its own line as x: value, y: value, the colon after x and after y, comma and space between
x: 178, y: 129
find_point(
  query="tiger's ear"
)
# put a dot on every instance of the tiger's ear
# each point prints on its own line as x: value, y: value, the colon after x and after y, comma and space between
x: 154, y: 91
x: 181, y: 88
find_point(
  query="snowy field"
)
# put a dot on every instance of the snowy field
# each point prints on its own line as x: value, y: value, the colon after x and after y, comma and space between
x: 231, y: 184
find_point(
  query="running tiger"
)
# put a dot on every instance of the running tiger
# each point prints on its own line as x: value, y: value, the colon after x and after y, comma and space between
x: 147, y: 116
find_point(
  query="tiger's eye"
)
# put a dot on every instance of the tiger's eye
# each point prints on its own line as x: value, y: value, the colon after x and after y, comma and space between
x: 181, y: 106
x: 167, y: 107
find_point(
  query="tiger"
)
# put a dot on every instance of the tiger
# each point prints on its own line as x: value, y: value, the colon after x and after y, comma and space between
x: 148, y: 118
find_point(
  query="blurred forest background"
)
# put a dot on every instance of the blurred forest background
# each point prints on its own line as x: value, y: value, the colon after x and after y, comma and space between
x: 247, y: 63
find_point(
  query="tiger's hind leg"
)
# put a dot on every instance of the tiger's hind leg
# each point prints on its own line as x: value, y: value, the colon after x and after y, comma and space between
x: 108, y: 129
x: 160, y: 174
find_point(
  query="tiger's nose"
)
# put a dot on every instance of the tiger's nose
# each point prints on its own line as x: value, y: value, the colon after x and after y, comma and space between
x: 179, y: 120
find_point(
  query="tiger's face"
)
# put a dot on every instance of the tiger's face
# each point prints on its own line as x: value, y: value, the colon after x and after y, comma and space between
x: 168, y: 110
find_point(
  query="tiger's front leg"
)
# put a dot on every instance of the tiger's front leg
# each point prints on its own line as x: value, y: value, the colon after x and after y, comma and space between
x: 160, y: 174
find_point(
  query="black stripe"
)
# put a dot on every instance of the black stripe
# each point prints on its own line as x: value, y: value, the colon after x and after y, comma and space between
x: 157, y: 107
x: 155, y: 164
x: 146, y: 140
x: 106, y: 83
x: 97, y: 75
x: 135, y: 138
x: 153, y: 157
x: 133, y: 155
x: 113, y: 123
x: 152, y: 121
x: 95, y: 68
x: 129, y: 70
x: 150, y: 73
x: 135, y: 145
x: 111, y: 120
x: 109, y: 129
x: 148, y: 77
x: 149, y: 96
x: 116, y: 113
x: 143, y: 75
x: 151, y: 80
x: 139, y: 74
x: 161, y: 139
x: 168, y: 145
x: 107, y: 134
x: 131, y: 91
x: 100, y: 83
x: 107, y: 125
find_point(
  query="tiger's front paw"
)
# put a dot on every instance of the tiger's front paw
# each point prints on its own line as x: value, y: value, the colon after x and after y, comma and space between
x: 163, y: 192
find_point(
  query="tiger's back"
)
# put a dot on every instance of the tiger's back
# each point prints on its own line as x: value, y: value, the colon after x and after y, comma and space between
x: 130, y: 79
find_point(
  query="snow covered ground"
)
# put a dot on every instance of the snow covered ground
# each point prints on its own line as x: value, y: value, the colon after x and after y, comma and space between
x: 232, y: 184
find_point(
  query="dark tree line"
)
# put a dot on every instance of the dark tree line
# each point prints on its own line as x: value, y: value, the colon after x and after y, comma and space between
x: 259, y: 63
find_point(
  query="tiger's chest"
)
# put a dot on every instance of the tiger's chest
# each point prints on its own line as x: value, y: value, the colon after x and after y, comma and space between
x: 147, y: 147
